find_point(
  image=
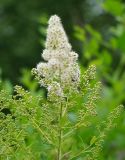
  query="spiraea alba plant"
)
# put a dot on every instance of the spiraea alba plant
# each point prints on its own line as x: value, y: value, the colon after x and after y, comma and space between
x: 53, y: 127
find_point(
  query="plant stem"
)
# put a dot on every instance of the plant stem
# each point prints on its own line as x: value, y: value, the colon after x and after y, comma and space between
x: 60, y: 134
x: 39, y: 129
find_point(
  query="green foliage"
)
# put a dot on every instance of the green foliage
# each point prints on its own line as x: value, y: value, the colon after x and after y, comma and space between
x: 108, y: 55
x: 17, y: 130
x: 30, y: 125
x: 101, y: 43
x: 115, y: 7
x: 28, y: 82
x: 6, y: 84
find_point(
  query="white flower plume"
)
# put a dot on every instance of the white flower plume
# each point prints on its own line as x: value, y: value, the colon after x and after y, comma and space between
x: 60, y: 67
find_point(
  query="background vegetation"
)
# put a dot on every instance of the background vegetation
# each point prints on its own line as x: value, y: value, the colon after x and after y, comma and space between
x: 96, y: 30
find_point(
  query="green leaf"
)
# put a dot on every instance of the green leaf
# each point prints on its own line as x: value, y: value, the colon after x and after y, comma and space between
x: 93, y: 140
x: 121, y: 42
x: 115, y: 7
x: 79, y: 33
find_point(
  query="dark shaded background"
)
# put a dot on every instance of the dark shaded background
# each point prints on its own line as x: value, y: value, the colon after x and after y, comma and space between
x: 20, y: 22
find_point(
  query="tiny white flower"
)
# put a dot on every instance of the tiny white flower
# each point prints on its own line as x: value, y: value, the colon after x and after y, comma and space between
x: 60, y: 70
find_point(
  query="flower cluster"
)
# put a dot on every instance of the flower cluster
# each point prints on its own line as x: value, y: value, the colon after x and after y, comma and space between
x: 60, y: 69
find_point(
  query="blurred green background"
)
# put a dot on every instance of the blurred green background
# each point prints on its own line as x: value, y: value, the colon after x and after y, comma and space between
x: 96, y: 30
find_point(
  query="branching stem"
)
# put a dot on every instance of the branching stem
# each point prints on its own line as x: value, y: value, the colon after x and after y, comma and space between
x: 60, y: 135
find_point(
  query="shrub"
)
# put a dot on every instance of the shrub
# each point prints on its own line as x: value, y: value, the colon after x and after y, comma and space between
x: 52, y: 126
